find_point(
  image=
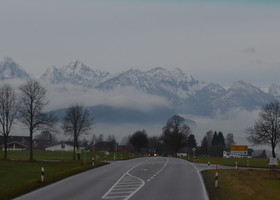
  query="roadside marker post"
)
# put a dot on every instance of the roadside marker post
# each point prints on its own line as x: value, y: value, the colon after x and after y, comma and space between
x: 93, y: 149
x: 42, y: 174
x: 236, y: 165
x: 93, y: 156
x: 208, y: 164
x: 216, y: 177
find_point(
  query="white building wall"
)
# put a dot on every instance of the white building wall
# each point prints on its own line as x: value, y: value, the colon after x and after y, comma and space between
x: 58, y: 147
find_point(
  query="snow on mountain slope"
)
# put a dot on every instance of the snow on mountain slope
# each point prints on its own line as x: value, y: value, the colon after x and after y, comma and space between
x: 174, y: 85
x: 244, y: 95
x: 186, y: 94
x: 130, y: 78
x: 75, y: 73
x: 9, y: 69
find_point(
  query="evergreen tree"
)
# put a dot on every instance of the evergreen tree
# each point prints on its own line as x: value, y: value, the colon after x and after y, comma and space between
x: 218, y: 144
x: 191, y: 141
x: 215, y: 140
x: 221, y: 140
x: 204, y: 146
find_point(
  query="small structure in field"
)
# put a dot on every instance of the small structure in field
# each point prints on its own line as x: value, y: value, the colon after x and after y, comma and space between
x: 60, y: 147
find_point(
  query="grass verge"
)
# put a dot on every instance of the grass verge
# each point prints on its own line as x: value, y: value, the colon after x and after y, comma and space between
x: 243, y: 184
x: 66, y: 155
x: 19, y: 177
x: 241, y: 162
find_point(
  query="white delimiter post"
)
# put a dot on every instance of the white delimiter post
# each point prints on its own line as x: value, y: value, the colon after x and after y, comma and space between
x: 42, y: 174
x: 216, y: 176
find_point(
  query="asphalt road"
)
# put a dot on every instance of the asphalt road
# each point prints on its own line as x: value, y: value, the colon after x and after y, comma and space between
x: 152, y: 178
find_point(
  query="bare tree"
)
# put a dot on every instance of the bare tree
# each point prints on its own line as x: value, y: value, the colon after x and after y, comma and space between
x: 75, y: 123
x: 267, y: 129
x: 229, y: 141
x: 44, y: 138
x: 8, y: 112
x: 111, y: 138
x: 32, y: 102
x: 175, y: 133
x: 100, y: 138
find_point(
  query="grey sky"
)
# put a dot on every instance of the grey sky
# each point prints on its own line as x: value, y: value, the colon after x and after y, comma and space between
x: 214, y: 42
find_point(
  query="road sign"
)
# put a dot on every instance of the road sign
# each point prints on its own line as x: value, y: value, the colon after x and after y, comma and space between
x: 273, y: 162
x: 194, y: 149
x: 239, y: 148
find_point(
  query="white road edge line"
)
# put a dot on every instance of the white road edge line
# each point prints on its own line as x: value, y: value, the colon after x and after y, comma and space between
x: 206, y: 197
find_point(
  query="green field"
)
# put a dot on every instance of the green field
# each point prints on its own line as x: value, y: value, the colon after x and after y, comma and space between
x: 67, y: 156
x: 18, y: 175
x: 243, y: 185
x: 241, y: 162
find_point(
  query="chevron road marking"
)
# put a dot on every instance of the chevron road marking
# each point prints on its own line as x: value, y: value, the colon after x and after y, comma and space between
x: 125, y: 187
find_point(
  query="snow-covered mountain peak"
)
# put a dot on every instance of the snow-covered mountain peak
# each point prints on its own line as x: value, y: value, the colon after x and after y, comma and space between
x: 215, y: 88
x: 52, y: 74
x: 76, y: 73
x: 51, y: 69
x: 244, y: 86
x: 7, y: 60
x: 164, y: 75
x: 76, y: 67
x: 9, y: 69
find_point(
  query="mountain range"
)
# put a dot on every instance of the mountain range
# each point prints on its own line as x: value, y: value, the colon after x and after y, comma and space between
x: 186, y: 94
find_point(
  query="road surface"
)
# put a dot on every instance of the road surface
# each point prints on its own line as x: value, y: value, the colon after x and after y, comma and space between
x: 155, y: 178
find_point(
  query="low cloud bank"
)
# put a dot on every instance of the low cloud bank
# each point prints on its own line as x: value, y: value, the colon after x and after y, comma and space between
x: 128, y: 97
x: 235, y: 121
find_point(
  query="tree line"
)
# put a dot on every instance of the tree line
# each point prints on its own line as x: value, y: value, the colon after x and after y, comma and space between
x: 177, y: 135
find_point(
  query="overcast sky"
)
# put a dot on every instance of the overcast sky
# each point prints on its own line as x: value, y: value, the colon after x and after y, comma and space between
x: 215, y: 41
